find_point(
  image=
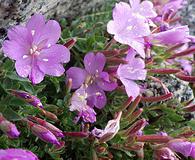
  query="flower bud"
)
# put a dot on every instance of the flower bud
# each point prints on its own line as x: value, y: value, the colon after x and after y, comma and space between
x: 57, y: 132
x: 70, y: 43
x: 49, y: 115
x: 33, y: 100
x: 17, y: 154
x: 153, y: 138
x: 77, y: 134
x: 136, y: 127
x: 43, y: 133
x: 8, y: 128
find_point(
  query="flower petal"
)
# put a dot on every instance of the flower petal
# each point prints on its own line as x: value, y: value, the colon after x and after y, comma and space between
x: 96, y: 96
x: 129, y: 72
x: 49, y: 34
x: 14, y: 50
x: 36, y: 75
x: 36, y: 24
x: 94, y: 63
x: 173, y: 36
x: 23, y: 67
x: 21, y: 35
x: 55, y: 54
x: 184, y: 148
x: 104, y: 82
x: 77, y: 75
x: 52, y: 69
x: 131, y: 87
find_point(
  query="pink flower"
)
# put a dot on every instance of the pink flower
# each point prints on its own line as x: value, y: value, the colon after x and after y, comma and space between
x: 17, y: 154
x: 130, y: 72
x: 129, y: 27
x: 79, y: 104
x: 95, y: 80
x: 34, y: 49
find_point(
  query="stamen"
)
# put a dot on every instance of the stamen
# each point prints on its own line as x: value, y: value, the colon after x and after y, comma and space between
x: 24, y: 56
x: 33, y: 32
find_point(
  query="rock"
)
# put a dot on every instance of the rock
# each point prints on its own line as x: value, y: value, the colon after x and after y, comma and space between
x: 188, y: 16
x: 180, y: 89
x: 18, y: 11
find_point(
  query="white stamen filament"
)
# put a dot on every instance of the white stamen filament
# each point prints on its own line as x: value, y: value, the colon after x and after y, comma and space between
x: 24, y: 56
x: 46, y: 60
x: 33, y: 32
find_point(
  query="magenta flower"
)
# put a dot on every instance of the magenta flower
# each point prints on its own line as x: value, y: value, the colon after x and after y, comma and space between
x: 130, y: 72
x: 94, y: 78
x: 17, y: 154
x: 109, y: 131
x: 79, y: 104
x: 129, y: 27
x: 27, y: 97
x: 184, y: 147
x: 145, y: 8
x: 43, y: 133
x: 34, y: 49
x: 8, y: 128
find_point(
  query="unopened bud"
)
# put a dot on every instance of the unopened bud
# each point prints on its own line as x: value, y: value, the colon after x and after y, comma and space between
x: 70, y: 43
x: 136, y: 127
x: 77, y: 134
x: 27, y: 97
x: 8, y: 128
x: 43, y: 133
x: 164, y: 71
x: 186, y: 78
x: 153, y: 138
x: 157, y: 98
x: 49, y: 115
x: 57, y: 132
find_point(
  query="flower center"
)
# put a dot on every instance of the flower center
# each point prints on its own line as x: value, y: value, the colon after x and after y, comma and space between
x: 34, y: 50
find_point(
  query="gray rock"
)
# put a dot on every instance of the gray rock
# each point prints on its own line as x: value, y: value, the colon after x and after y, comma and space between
x: 180, y: 89
x: 188, y: 15
x: 18, y: 11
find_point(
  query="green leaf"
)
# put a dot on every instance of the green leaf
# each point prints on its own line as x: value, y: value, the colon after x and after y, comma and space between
x: 11, y: 114
x: 191, y: 124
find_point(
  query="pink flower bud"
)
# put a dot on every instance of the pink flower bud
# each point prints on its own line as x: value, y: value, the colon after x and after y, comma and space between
x: 70, y: 43
x: 8, y: 128
x: 57, y: 132
x: 43, y: 133
x: 158, y: 98
x: 33, y: 100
